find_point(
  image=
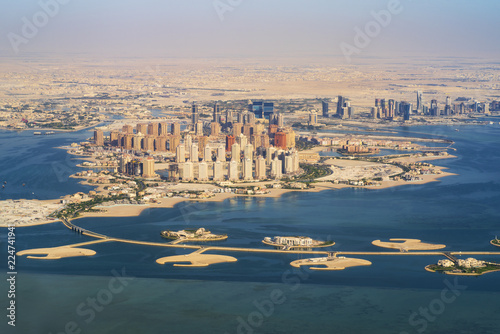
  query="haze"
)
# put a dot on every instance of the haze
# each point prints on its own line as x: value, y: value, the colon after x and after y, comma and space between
x: 254, y: 28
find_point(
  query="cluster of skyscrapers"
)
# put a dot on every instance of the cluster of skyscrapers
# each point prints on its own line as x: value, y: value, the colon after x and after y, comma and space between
x: 389, y: 109
x: 344, y: 109
x: 255, y: 145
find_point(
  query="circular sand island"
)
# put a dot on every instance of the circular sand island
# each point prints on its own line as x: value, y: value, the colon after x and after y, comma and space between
x: 407, y: 245
x: 296, y: 242
x: 330, y: 263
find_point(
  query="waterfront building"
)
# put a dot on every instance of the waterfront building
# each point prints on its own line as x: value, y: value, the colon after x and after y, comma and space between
x: 276, y: 168
x: 233, y: 173
x: 260, y: 168
x: 218, y: 171
x: 247, y: 169
x: 202, y: 171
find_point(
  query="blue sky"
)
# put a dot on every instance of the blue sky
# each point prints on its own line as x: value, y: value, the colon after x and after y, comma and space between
x: 269, y: 28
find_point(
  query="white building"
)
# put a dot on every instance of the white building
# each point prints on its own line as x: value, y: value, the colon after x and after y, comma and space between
x: 260, y: 168
x: 236, y: 152
x: 188, y: 172
x: 276, y: 168
x: 221, y: 153
x: 202, y: 171
x: 233, y: 173
x: 193, y: 154
x: 247, y: 169
x: 180, y: 154
x: 207, y: 154
x: 248, y: 151
x: 218, y: 171
x: 293, y: 241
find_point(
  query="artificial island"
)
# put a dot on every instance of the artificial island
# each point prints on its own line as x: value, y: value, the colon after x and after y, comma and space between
x: 331, y: 260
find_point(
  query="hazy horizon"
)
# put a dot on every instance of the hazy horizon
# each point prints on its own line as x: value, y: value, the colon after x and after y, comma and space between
x: 250, y: 29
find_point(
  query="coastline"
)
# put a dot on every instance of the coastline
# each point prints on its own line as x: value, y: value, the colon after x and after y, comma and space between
x: 131, y: 210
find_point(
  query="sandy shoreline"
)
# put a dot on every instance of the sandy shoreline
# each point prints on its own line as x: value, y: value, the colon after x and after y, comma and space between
x: 130, y: 210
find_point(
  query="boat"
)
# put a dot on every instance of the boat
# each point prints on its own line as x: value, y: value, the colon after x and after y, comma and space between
x: 49, y: 133
x: 37, y: 133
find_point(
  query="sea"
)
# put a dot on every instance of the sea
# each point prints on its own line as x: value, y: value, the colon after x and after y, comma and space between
x: 122, y: 289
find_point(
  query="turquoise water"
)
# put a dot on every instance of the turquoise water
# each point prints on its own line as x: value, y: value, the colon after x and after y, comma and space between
x: 460, y: 211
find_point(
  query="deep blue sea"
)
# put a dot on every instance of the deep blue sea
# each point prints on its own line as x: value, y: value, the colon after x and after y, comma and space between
x: 262, y: 293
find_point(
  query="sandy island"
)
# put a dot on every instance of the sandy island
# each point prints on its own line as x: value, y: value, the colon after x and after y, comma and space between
x: 407, y: 245
x: 335, y: 263
x: 196, y: 259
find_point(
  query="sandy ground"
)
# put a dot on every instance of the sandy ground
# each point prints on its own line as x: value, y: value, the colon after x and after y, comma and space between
x: 55, y: 253
x: 196, y: 259
x: 330, y: 264
x: 407, y: 245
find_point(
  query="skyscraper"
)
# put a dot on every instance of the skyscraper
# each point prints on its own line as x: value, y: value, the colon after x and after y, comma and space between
x: 193, y: 153
x: 180, y: 155
x: 218, y: 173
x: 202, y: 171
x: 194, y: 114
x: 148, y: 167
x: 340, y: 106
x: 176, y: 129
x: 216, y: 114
x: 419, y: 101
x: 325, y: 108
x: 230, y: 140
x: 233, y: 173
x: 268, y: 109
x: 98, y: 137
x: 247, y: 169
x: 236, y: 152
